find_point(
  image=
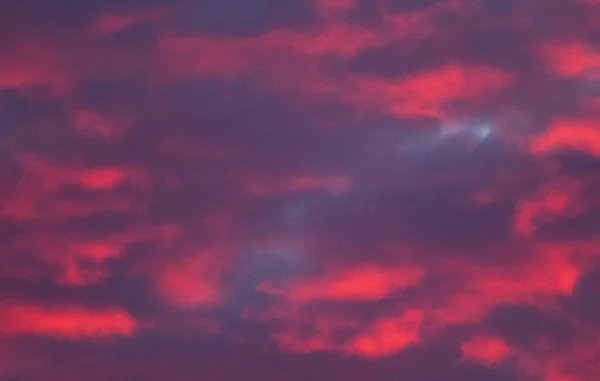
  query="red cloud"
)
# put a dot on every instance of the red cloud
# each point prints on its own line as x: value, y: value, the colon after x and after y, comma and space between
x: 35, y: 200
x: 195, y: 281
x: 71, y: 322
x: 75, y: 260
x: 486, y: 349
x: 300, y: 63
x: 550, y: 202
x: 284, y: 61
x: 546, y: 271
x: 32, y: 62
x: 426, y: 94
x: 32, y: 197
x: 361, y: 283
x: 301, y: 332
x: 388, y: 335
x: 570, y: 363
x: 550, y: 272
x: 583, y: 135
x: 572, y: 58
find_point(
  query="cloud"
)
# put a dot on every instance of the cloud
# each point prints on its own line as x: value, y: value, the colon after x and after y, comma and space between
x: 362, y: 283
x: 42, y: 179
x: 572, y: 59
x: 551, y: 201
x: 388, y: 336
x: 485, y: 349
x: 69, y: 322
x: 426, y: 94
x: 579, y: 135
x: 194, y: 281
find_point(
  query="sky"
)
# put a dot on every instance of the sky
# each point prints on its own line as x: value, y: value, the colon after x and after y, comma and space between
x: 300, y: 190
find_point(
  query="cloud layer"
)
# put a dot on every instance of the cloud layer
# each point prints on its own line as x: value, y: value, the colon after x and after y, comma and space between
x: 300, y: 190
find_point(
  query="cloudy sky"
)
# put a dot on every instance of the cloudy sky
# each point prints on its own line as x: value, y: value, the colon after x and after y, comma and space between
x: 300, y: 190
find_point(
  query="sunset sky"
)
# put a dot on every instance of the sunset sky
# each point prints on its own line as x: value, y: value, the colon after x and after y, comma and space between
x: 300, y: 190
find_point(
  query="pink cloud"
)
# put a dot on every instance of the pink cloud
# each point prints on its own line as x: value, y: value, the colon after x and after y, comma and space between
x: 488, y: 350
x: 361, y: 283
x: 31, y: 197
x: 388, y: 335
x: 70, y: 322
x: 582, y: 135
x: 195, y: 281
x: 550, y: 202
x: 425, y: 94
x: 572, y: 58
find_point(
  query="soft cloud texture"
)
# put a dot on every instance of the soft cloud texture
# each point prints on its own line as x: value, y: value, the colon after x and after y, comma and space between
x: 300, y: 190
